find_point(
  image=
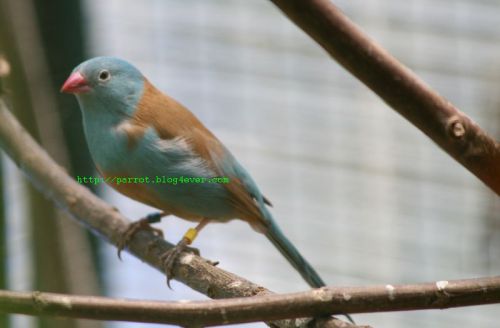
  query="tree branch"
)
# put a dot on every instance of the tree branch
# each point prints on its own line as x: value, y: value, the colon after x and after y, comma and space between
x: 451, y: 129
x: 313, y: 303
x: 106, y: 221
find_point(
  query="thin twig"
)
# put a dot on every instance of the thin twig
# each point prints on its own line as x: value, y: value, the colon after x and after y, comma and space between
x: 106, y: 221
x: 313, y: 303
x: 451, y: 129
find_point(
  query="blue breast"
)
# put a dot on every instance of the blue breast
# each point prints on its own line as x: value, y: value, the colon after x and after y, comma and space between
x: 178, y: 163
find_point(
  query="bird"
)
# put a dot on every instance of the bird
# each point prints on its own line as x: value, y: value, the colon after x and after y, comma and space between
x: 134, y: 130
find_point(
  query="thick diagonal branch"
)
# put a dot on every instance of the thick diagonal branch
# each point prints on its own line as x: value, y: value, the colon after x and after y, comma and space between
x: 451, y: 129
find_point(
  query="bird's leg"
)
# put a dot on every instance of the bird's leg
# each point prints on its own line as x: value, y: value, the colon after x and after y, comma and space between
x: 170, y: 257
x: 142, y: 224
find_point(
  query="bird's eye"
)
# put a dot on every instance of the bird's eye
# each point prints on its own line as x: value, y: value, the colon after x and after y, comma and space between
x: 104, y: 75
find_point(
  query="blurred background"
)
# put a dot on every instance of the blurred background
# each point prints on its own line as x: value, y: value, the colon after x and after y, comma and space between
x: 364, y: 195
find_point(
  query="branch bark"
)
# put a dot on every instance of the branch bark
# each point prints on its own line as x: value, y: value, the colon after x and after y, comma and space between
x: 106, y: 221
x: 399, y: 87
x: 315, y: 303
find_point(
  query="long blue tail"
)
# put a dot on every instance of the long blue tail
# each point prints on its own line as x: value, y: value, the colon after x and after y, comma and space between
x: 291, y: 253
x: 293, y: 256
x: 272, y: 231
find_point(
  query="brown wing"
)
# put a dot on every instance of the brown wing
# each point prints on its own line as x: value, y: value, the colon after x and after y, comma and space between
x: 174, y: 120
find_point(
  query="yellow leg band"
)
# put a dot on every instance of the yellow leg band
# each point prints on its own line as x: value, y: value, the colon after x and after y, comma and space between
x: 190, y: 235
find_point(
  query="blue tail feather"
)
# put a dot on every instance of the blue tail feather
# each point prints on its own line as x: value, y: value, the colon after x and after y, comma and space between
x: 279, y: 240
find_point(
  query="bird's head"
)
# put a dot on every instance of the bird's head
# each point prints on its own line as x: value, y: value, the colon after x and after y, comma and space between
x: 109, y: 81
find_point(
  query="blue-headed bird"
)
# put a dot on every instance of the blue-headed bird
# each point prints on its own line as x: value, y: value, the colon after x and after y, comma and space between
x: 135, y: 130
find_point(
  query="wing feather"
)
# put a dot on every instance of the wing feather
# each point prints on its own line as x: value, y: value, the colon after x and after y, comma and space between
x: 175, y: 121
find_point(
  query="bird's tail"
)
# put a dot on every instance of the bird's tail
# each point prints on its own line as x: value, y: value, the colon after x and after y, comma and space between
x: 274, y: 234
x: 293, y: 256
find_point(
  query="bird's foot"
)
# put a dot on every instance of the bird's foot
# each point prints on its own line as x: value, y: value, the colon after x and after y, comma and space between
x: 142, y: 224
x: 170, y: 257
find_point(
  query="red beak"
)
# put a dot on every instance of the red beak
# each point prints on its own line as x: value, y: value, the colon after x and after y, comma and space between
x: 75, y: 83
